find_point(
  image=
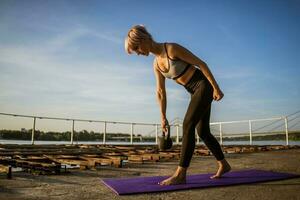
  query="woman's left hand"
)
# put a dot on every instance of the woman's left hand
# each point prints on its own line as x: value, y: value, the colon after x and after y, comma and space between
x: 217, y: 95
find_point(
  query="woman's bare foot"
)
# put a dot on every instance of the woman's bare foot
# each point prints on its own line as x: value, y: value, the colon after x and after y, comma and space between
x: 179, y: 177
x: 223, y: 168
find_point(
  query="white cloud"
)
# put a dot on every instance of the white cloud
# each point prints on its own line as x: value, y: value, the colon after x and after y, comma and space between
x: 33, y: 72
x: 67, y: 37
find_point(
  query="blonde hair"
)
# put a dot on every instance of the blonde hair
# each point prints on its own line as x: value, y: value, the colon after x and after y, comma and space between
x: 134, y: 37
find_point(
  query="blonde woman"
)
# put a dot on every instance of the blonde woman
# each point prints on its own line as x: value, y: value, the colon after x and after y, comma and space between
x: 173, y: 61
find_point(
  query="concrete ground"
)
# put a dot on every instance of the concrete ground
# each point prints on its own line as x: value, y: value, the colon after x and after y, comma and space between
x: 85, y: 184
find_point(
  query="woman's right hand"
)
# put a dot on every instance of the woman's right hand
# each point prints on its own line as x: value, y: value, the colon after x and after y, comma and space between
x: 217, y: 94
x: 165, y: 125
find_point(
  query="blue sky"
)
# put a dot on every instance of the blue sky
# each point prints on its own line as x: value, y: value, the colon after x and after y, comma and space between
x: 67, y: 58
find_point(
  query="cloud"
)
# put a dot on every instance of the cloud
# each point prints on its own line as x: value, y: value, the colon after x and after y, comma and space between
x: 69, y: 36
x: 39, y: 75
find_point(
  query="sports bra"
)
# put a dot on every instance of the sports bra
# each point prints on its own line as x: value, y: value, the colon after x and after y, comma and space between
x: 177, y: 67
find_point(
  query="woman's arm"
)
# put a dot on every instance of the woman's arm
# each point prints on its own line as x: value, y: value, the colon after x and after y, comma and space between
x: 161, y: 95
x: 177, y: 51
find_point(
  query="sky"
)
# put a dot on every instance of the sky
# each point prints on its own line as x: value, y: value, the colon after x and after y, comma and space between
x: 67, y: 59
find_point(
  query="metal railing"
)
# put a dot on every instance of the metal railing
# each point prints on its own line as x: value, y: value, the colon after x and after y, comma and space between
x: 157, y: 126
x: 250, y: 127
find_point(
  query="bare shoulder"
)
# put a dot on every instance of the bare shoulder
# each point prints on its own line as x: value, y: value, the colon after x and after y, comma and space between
x: 172, y: 46
x: 155, y: 66
x: 159, y: 77
x: 177, y: 51
x: 174, y: 49
x: 155, y: 63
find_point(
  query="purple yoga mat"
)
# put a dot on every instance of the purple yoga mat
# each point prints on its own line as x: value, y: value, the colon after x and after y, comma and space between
x: 123, y: 186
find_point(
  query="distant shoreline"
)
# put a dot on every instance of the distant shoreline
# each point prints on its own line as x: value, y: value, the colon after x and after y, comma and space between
x: 121, y: 137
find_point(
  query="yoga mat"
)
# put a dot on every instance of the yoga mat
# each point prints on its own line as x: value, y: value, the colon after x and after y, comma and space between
x: 123, y: 186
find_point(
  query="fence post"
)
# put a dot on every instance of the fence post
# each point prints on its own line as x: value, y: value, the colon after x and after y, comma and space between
x: 221, y: 134
x: 72, y: 133
x: 250, y: 132
x: 156, y: 134
x: 286, y: 130
x: 177, y: 133
x: 104, y: 133
x: 131, y: 134
x: 33, y: 131
x: 197, y: 137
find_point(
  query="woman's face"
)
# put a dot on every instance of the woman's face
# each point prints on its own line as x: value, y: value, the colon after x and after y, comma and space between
x: 143, y: 48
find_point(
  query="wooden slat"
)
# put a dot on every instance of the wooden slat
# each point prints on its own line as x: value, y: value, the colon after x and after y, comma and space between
x: 83, y: 164
x: 7, y: 170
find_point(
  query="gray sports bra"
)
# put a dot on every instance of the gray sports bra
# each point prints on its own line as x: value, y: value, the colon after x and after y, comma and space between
x: 177, y: 67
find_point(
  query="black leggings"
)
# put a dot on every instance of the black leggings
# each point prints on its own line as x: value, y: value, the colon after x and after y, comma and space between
x: 197, y: 116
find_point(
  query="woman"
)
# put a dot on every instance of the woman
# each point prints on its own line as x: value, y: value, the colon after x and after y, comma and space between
x: 176, y: 62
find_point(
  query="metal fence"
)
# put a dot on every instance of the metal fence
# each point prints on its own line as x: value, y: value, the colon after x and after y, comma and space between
x: 176, y: 124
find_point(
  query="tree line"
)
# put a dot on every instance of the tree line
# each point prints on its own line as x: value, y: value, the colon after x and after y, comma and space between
x: 85, y: 135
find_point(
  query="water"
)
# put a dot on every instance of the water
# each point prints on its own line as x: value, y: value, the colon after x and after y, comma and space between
x: 260, y: 142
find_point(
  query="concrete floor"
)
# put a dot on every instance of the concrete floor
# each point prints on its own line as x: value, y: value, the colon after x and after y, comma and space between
x: 85, y: 184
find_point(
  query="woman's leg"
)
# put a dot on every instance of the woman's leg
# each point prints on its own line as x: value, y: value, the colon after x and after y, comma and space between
x: 199, y: 104
x: 203, y: 130
x: 200, y: 101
